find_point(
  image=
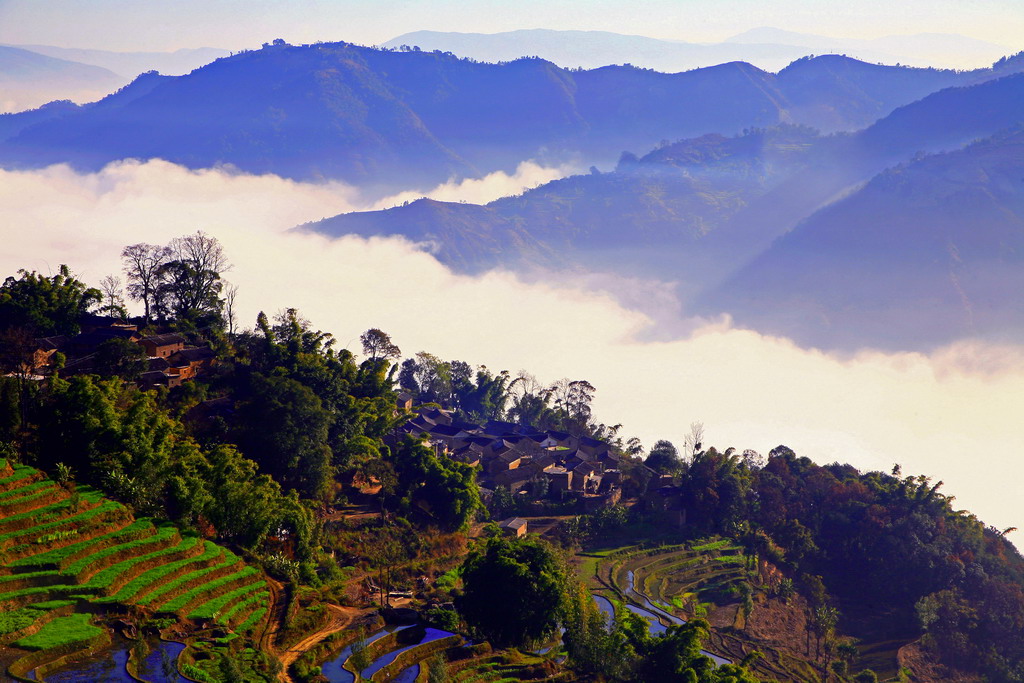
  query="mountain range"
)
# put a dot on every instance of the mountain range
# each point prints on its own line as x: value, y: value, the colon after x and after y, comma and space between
x: 131, y: 64
x: 31, y: 75
x: 928, y: 250
x: 768, y: 48
x: 28, y: 79
x: 391, y: 120
x: 728, y: 217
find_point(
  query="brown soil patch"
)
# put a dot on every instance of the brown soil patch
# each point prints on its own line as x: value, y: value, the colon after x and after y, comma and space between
x: 783, y: 626
x: 926, y: 669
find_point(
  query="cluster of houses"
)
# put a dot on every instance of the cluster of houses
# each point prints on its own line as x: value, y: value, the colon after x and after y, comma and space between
x: 517, y: 456
x: 171, y: 359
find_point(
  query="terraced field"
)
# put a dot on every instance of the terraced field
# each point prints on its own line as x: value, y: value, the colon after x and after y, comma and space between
x: 682, y: 581
x: 502, y: 668
x: 65, y: 556
x: 675, y: 579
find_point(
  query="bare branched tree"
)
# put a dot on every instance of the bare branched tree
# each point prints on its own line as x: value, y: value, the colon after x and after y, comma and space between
x: 230, y: 294
x: 113, y: 297
x: 142, y: 266
x: 694, y: 441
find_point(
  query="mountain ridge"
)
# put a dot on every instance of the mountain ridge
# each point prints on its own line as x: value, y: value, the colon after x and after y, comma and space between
x: 770, y: 49
x: 394, y: 119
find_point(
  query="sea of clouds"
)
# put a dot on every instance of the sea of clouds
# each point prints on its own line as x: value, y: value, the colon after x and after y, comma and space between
x: 953, y: 414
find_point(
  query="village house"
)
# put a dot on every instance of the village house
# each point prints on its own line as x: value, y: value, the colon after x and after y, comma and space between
x: 559, y: 478
x: 581, y: 476
x: 521, y: 459
x: 163, y: 345
x: 188, y: 363
x: 508, y: 459
x: 513, y: 526
x: 156, y: 378
x: 43, y: 350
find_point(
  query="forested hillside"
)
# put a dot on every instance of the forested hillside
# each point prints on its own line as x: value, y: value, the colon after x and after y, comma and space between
x: 270, y: 501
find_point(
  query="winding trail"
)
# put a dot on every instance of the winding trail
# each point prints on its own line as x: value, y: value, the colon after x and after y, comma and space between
x: 340, y: 619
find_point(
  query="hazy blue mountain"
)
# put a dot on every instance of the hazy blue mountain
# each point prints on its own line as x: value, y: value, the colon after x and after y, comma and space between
x: 592, y: 49
x: 767, y: 48
x: 131, y: 64
x: 651, y: 216
x: 925, y: 253
x: 394, y: 119
x: 944, y: 50
x: 28, y: 79
x: 731, y: 195
x: 698, y: 210
x: 12, y: 124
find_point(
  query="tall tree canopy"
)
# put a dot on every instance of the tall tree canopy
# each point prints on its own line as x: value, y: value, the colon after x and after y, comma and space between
x: 513, y: 590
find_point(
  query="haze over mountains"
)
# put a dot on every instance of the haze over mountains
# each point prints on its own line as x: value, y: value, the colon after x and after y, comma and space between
x: 758, y: 155
x: 29, y: 79
x: 699, y: 210
x: 32, y: 75
x: 770, y: 49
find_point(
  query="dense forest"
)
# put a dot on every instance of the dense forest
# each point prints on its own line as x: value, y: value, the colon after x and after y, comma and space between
x: 256, y: 438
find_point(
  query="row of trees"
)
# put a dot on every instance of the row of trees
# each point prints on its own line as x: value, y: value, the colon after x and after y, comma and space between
x: 479, y: 395
x: 180, y: 281
x: 110, y: 434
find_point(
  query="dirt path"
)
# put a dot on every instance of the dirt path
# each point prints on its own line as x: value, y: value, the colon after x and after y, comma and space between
x: 340, y: 618
x: 274, y: 616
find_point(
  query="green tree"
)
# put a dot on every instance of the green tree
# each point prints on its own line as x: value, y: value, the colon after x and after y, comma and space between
x: 283, y: 426
x: 46, y: 305
x: 664, y: 458
x: 513, y: 590
x: 118, y: 357
x: 189, y: 280
x: 593, y: 645
x: 443, y: 489
x: 377, y: 345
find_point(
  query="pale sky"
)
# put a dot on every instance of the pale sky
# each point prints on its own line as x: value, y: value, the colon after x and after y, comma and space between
x: 136, y: 25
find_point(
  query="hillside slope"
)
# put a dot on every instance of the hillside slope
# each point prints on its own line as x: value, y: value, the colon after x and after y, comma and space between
x: 930, y: 250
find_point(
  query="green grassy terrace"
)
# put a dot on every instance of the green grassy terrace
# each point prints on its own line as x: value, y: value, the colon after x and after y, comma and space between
x: 69, y: 556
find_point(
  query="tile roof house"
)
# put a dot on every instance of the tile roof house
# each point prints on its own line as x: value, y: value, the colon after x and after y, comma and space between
x: 514, y: 526
x: 506, y: 460
x: 44, y: 349
x: 163, y: 345
x: 560, y: 478
x: 156, y: 378
x: 441, y: 417
x: 499, y: 428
